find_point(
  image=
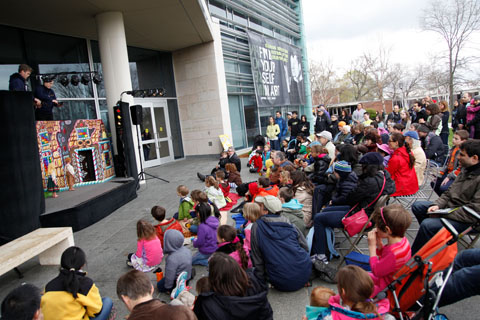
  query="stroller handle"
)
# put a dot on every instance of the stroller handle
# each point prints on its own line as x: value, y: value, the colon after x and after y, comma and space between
x: 450, y: 229
x: 471, y: 212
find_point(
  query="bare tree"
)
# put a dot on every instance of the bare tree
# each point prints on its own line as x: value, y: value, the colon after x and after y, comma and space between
x: 379, y: 69
x: 412, y: 82
x: 324, y: 82
x: 360, y: 83
x: 455, y: 21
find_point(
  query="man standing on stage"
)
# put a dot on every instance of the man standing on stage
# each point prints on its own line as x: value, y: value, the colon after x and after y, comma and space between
x: 48, y: 100
x: 18, y: 80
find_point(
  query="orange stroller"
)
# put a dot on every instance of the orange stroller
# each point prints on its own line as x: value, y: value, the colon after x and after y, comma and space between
x: 413, y: 280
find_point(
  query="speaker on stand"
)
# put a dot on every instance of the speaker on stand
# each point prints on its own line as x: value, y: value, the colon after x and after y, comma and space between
x: 136, y: 112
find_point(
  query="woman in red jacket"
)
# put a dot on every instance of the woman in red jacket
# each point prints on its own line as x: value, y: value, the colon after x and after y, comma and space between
x: 400, y: 166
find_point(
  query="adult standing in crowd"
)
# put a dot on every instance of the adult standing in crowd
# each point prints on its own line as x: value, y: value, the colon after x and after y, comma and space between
x: 304, y: 126
x: 322, y: 122
x: 474, y: 124
x: 445, y: 132
x: 282, y: 124
x: 18, y: 80
x: 405, y: 119
x: 461, y: 116
x: 345, y: 116
x: 357, y: 116
x: 333, y: 127
x: 273, y: 132
x: 48, y: 100
x: 434, y: 118
x: 395, y: 115
x: 293, y: 125
x: 419, y: 115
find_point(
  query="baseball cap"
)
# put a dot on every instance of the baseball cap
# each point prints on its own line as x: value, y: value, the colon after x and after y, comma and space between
x: 271, y: 203
x: 324, y: 134
x: 412, y: 134
x: 289, y: 113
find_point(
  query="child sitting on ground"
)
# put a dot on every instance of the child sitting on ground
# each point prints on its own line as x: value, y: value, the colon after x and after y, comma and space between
x: 265, y: 188
x: 222, y: 184
x: 392, y: 222
x: 185, y: 206
x: 214, y: 192
x: 177, y: 260
x: 206, y: 241
x: 292, y: 209
x: 257, y: 162
x: 318, y: 302
x: 234, y: 178
x: 72, y: 295
x: 158, y: 213
x: 266, y: 154
x: 285, y: 180
x: 251, y: 212
x: 230, y: 244
x: 355, y: 288
x: 149, y: 249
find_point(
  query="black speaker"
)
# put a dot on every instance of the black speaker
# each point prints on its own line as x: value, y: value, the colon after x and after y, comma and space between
x: 125, y: 148
x: 137, y: 115
x: 21, y: 196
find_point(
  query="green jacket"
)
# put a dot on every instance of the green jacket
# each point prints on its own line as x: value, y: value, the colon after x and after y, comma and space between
x: 293, y: 212
x: 465, y: 190
x: 186, y: 204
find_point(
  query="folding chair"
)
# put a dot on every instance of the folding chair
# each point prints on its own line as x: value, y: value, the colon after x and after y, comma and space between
x: 425, y: 191
x: 470, y: 239
x: 381, y: 202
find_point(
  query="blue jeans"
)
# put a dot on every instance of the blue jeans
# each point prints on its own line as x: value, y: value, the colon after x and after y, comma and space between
x: 429, y: 226
x: 106, y: 309
x: 328, y: 217
x: 161, y: 286
x: 438, y: 188
x: 463, y: 282
x: 200, y: 259
x: 193, y: 228
x: 275, y: 144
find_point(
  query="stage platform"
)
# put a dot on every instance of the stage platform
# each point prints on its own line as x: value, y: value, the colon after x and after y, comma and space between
x: 88, y: 204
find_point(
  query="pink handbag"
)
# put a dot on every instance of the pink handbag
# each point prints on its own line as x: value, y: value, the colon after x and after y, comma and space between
x: 355, y: 223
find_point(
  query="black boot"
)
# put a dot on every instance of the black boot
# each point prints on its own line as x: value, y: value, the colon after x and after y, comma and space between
x: 200, y: 176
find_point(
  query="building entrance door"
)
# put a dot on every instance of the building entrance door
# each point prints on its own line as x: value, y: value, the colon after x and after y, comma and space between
x: 156, y: 138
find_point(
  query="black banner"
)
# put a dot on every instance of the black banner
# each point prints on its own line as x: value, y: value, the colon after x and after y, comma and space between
x: 277, y: 71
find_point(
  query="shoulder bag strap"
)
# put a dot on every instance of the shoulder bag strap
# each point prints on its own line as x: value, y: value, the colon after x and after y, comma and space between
x: 381, y: 191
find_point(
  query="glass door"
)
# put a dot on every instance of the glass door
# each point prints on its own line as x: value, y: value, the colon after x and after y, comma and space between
x: 155, y: 132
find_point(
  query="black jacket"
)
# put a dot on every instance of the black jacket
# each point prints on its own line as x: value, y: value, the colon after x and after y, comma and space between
x: 344, y: 188
x: 461, y: 116
x: 368, y: 189
x: 322, y: 123
x: 422, y: 114
x: 333, y: 128
x: 320, y: 167
x: 304, y: 128
x: 46, y: 96
x: 17, y: 83
x: 434, y: 148
x: 236, y: 161
x: 395, y: 117
x: 255, y: 305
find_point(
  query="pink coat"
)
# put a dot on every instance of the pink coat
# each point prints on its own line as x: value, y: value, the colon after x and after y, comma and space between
x: 471, y: 111
x: 150, y: 251
x: 339, y: 312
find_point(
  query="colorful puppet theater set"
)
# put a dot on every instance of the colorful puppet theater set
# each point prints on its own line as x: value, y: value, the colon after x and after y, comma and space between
x: 85, y: 142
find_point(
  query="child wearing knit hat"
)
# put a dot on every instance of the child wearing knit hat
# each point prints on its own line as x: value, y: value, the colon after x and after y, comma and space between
x: 346, y: 182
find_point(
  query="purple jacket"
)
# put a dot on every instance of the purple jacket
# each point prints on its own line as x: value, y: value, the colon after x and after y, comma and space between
x: 206, y: 241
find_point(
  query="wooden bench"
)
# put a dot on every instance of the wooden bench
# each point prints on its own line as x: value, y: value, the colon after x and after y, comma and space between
x: 47, y: 243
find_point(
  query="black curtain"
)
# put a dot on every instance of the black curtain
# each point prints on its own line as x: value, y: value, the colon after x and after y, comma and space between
x: 21, y: 190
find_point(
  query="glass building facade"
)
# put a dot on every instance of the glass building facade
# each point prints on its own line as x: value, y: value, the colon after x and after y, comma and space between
x: 50, y: 53
x: 279, y: 19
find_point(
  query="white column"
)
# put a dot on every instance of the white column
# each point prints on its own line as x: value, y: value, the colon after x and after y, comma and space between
x: 114, y: 57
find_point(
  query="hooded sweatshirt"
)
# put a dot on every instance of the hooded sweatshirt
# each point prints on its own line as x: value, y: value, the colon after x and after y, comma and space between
x: 292, y: 210
x: 178, y: 258
x: 206, y: 241
x: 254, y: 305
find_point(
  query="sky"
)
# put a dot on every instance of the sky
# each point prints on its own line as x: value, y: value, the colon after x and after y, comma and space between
x: 341, y: 30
